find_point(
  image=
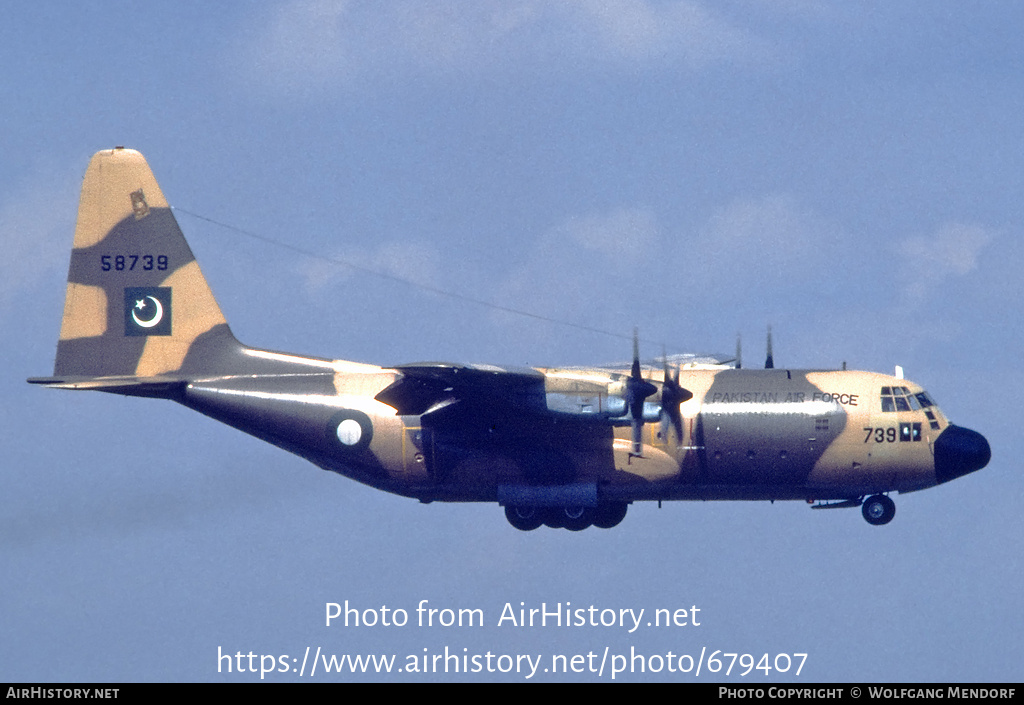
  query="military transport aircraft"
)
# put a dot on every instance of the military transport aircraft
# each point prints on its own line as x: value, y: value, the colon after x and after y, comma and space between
x: 563, y: 447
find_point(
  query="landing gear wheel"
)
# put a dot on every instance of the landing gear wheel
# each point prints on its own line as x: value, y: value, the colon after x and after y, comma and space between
x: 578, y: 518
x: 524, y: 518
x: 552, y: 517
x: 609, y: 514
x: 878, y: 509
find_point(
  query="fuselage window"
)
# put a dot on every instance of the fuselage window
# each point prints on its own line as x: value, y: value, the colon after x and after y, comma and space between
x: 910, y: 432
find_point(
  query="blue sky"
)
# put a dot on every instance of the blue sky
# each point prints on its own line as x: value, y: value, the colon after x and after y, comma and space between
x: 849, y: 173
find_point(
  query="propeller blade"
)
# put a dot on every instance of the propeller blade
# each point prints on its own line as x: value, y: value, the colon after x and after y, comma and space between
x: 672, y: 395
x: 637, y: 390
x: 635, y: 372
x: 666, y: 412
x: 769, y: 362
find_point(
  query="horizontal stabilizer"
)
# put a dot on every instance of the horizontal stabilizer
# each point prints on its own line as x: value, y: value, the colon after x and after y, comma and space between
x: 159, y: 386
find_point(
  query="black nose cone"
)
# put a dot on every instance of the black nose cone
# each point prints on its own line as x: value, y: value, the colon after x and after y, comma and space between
x: 959, y: 451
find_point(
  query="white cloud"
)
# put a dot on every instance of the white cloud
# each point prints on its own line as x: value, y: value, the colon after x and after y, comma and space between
x: 764, y: 244
x: 930, y: 261
x: 303, y: 41
x: 37, y: 221
x: 639, y: 29
x: 585, y: 265
x: 752, y: 259
x: 624, y: 234
x: 311, y: 45
x: 454, y: 34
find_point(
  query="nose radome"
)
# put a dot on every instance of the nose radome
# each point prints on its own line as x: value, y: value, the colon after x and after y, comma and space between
x: 959, y: 451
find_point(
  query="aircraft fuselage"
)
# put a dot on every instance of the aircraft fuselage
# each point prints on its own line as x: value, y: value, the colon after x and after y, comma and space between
x: 746, y: 434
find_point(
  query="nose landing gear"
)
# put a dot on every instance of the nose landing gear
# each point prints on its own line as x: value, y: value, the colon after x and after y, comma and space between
x: 878, y: 509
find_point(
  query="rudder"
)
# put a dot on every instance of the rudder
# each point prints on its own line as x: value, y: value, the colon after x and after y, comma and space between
x: 137, y: 304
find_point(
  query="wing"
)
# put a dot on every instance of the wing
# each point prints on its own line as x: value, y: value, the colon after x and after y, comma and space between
x: 425, y: 388
x: 583, y: 394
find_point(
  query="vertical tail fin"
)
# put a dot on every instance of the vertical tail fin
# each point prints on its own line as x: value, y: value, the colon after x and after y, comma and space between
x: 137, y: 304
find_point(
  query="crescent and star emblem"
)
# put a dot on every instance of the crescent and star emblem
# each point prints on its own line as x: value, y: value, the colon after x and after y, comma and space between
x: 151, y: 321
x: 147, y: 311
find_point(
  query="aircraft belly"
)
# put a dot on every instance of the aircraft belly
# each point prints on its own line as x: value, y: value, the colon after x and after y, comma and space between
x: 470, y: 451
x: 304, y: 414
x: 468, y: 465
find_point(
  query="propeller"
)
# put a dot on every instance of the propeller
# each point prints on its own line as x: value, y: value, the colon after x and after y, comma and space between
x: 672, y: 395
x: 637, y: 389
x: 769, y: 362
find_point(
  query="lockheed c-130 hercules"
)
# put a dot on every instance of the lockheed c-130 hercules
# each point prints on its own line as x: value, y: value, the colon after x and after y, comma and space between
x: 563, y: 447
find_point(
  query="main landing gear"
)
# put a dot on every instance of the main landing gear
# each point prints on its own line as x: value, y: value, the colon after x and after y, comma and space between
x: 604, y: 516
x: 878, y: 509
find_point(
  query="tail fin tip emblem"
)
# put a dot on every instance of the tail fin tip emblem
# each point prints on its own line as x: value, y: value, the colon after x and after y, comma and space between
x: 139, y: 206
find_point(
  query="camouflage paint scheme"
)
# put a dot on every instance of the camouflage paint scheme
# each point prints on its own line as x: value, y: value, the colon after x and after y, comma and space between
x: 554, y: 446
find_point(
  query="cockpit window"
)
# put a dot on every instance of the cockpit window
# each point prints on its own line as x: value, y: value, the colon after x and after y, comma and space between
x: 900, y: 399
